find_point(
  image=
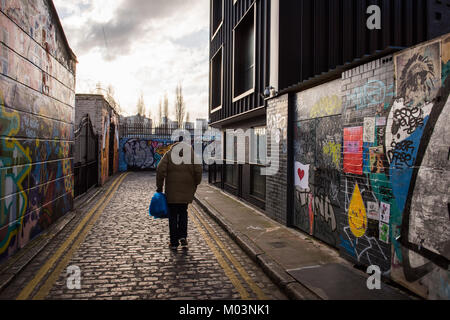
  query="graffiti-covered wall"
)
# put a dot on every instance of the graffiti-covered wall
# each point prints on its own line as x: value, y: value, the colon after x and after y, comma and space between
x: 317, y: 154
x: 141, y: 154
x: 366, y: 193
x: 371, y: 165
x: 418, y: 150
x: 396, y: 182
x: 37, y: 98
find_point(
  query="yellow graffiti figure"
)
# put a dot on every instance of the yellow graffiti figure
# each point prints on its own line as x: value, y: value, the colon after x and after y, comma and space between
x: 333, y: 150
x: 357, y: 216
x: 326, y: 106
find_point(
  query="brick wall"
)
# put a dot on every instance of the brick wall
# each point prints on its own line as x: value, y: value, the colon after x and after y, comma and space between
x: 92, y: 105
x: 102, y: 115
x: 367, y: 94
x: 276, y: 186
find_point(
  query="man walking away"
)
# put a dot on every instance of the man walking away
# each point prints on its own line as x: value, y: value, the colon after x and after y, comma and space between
x: 181, y: 181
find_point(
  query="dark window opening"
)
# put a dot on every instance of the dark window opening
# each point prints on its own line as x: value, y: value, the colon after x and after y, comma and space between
x: 216, y: 15
x: 231, y: 175
x: 216, y: 81
x: 244, y: 54
x: 257, y: 183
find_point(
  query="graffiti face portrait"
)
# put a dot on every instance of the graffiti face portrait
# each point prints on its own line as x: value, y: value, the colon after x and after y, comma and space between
x: 419, y: 75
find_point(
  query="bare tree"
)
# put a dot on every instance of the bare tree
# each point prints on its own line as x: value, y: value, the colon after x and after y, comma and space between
x: 180, y: 106
x: 108, y: 94
x: 159, y: 117
x: 188, y: 116
x: 166, y: 108
x: 149, y: 113
x: 141, y: 106
x: 98, y: 88
x: 110, y: 97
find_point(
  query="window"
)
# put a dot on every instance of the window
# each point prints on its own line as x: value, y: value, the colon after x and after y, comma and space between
x: 231, y: 175
x: 216, y: 14
x: 244, y: 56
x: 216, y: 82
x: 257, y: 183
x: 258, y: 146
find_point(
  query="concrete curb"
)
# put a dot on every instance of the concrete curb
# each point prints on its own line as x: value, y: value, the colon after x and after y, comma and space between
x: 291, y: 287
x: 11, y: 268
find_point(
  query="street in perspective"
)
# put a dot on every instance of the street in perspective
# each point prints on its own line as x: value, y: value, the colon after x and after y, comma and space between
x: 241, y: 151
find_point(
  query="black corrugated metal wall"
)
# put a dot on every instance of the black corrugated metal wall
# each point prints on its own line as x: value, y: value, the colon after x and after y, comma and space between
x: 232, y: 14
x: 318, y: 36
x: 321, y: 36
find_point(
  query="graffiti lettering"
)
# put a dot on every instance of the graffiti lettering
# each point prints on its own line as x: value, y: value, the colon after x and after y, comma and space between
x: 374, y: 93
x: 142, y: 154
x: 401, y: 154
x: 409, y: 119
x: 316, y: 215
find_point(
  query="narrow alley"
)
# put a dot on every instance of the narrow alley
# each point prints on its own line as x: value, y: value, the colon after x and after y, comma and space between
x: 123, y: 253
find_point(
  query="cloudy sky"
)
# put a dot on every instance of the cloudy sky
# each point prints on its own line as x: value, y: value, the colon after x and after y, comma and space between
x: 139, y: 46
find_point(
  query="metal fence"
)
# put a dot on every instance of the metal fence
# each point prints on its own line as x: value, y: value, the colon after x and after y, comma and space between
x: 85, y: 157
x: 146, y: 131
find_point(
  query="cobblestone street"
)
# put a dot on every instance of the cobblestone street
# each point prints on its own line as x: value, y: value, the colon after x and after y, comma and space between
x: 122, y: 253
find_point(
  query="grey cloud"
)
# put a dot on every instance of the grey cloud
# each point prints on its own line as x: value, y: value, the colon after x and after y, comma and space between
x: 194, y: 39
x: 66, y: 11
x: 129, y: 24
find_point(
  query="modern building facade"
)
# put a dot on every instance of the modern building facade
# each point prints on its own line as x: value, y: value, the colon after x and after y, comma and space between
x: 37, y: 101
x: 352, y: 112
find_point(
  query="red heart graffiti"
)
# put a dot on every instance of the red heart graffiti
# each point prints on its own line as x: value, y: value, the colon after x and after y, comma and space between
x: 301, y: 173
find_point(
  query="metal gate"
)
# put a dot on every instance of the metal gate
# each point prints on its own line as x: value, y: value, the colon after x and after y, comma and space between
x: 85, y: 157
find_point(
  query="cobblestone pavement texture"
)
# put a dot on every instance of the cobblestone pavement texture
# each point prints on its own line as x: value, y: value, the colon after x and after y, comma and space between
x: 125, y: 255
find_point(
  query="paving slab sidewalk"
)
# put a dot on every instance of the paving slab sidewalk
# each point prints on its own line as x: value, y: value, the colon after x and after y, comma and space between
x: 303, y: 267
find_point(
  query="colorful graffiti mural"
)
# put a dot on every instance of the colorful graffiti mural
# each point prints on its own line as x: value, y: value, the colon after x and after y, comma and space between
x: 384, y: 173
x: 422, y: 233
x: 318, y: 143
x: 37, y: 84
x: 141, y: 154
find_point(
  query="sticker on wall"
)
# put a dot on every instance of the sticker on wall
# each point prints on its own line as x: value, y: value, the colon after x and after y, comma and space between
x: 385, y: 212
x: 384, y: 232
x: 373, y: 210
x: 301, y: 175
x: 357, y: 217
x: 369, y: 130
x: 377, y: 160
x: 353, y: 150
x: 380, y: 121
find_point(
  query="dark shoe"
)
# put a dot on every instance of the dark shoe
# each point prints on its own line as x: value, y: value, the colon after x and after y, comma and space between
x: 183, y: 243
x: 174, y: 248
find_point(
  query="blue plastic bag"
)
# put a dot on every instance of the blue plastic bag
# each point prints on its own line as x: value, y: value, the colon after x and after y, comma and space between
x: 158, y: 206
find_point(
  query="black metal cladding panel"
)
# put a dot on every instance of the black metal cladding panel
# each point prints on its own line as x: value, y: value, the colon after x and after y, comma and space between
x: 438, y: 18
x: 233, y: 13
x: 317, y: 36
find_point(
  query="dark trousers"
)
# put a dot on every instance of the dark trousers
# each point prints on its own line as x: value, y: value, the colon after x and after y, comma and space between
x: 178, y: 221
